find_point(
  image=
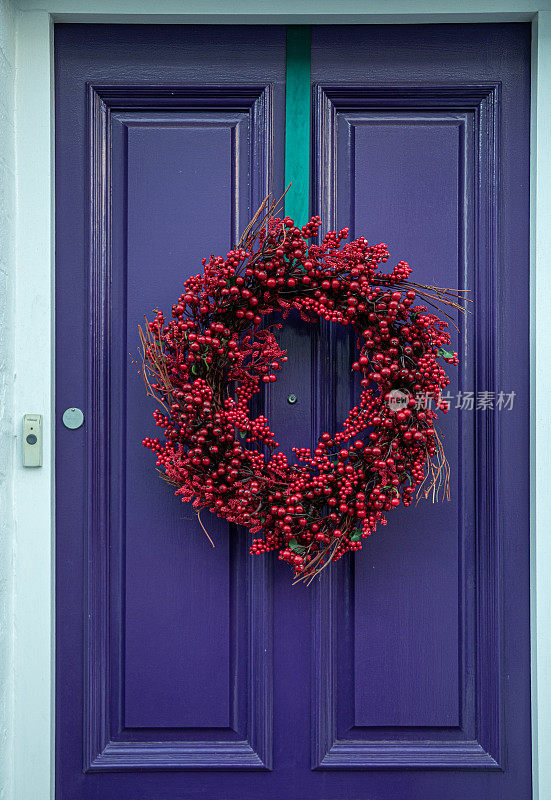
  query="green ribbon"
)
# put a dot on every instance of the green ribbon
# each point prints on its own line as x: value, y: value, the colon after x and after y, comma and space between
x: 297, y: 124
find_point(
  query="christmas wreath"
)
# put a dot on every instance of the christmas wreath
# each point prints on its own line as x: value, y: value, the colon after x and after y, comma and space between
x: 208, y: 361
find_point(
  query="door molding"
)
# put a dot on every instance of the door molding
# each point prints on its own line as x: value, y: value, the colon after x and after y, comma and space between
x: 34, y: 572
x: 475, y: 743
x: 111, y: 110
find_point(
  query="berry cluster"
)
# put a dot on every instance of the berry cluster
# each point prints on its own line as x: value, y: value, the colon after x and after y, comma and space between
x: 207, y: 362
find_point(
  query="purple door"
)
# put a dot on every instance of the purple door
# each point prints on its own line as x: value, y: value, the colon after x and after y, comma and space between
x: 187, y: 672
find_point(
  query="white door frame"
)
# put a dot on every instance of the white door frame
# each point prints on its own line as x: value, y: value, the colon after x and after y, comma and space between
x: 34, y: 310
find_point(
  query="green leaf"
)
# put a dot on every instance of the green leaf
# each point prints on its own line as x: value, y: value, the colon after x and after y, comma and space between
x: 194, y: 369
x: 356, y: 536
x: 243, y: 434
x: 296, y: 547
x: 444, y: 353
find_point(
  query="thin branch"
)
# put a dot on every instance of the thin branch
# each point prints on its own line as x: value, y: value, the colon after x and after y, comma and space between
x: 203, y: 527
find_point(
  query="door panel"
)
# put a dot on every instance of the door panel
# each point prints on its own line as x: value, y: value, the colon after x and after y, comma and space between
x: 426, y: 194
x: 179, y: 632
x: 177, y: 670
x: 162, y: 551
x: 418, y: 152
x: 188, y: 671
x: 418, y: 175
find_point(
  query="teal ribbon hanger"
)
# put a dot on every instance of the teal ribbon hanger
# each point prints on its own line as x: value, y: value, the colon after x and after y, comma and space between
x: 297, y: 123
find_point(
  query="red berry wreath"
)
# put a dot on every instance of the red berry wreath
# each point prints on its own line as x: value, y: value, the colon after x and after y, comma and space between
x: 207, y: 362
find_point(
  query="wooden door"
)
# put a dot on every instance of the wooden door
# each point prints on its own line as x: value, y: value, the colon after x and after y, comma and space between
x: 187, y: 672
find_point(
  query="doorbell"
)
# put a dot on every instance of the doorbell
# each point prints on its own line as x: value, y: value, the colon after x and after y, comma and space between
x: 32, y: 440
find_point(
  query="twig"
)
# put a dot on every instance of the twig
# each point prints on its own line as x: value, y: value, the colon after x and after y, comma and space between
x: 203, y: 527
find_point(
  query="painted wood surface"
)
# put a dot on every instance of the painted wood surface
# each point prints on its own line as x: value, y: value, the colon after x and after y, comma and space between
x: 188, y: 672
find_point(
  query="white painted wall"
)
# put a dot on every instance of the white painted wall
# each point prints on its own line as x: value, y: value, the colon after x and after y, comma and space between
x: 7, y: 373
x: 29, y: 625
x: 34, y: 386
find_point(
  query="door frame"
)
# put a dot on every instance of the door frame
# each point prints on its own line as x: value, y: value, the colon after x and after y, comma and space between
x: 34, y: 645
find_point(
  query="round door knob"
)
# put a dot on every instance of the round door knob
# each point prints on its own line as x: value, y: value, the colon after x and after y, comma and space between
x: 73, y: 418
